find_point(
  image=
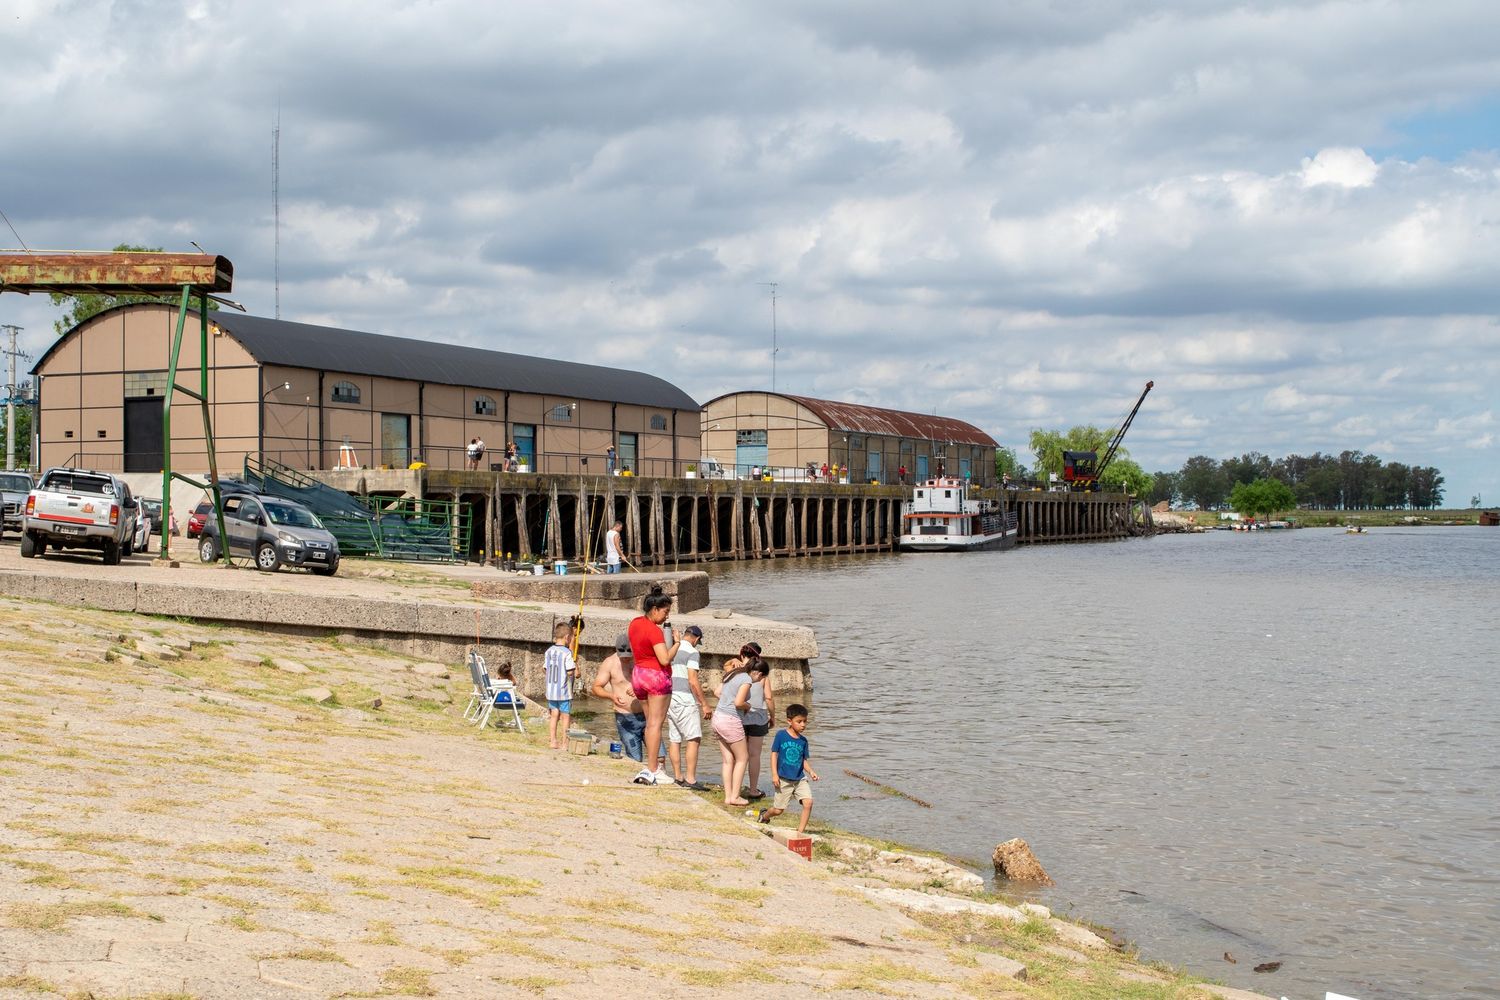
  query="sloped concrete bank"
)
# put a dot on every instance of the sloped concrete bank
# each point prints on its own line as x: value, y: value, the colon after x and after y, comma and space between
x: 430, y: 627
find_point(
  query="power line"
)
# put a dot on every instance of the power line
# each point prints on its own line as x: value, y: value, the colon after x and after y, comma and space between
x: 13, y: 231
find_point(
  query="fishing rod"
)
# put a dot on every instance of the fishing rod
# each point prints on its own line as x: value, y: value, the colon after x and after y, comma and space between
x: 588, y: 556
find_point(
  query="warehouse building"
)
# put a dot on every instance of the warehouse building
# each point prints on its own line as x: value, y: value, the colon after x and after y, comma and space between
x: 792, y: 434
x: 314, y: 397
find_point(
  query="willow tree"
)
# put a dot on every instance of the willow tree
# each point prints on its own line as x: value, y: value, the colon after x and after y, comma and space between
x: 1048, y: 447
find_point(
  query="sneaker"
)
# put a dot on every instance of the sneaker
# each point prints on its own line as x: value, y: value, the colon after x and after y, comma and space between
x: 644, y: 778
x: 661, y: 778
x: 680, y: 783
x: 763, y: 816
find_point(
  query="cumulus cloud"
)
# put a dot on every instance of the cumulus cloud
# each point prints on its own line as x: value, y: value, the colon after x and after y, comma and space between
x: 1015, y: 213
x: 1345, y: 168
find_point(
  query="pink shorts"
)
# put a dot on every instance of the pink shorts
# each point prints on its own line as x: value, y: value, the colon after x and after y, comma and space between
x: 728, y: 727
x: 650, y: 683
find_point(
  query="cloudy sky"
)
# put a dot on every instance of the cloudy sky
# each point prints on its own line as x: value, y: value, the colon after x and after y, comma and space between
x: 1286, y: 214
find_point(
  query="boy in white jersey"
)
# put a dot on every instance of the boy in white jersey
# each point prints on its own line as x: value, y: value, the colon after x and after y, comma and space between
x: 686, y: 711
x: 561, y: 669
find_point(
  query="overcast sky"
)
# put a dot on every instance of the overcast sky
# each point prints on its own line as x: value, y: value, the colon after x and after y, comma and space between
x: 1286, y: 214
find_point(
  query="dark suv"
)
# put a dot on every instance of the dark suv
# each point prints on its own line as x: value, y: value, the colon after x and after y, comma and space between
x: 274, y: 531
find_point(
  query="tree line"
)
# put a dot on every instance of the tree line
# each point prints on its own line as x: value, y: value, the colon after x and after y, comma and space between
x: 1350, y: 480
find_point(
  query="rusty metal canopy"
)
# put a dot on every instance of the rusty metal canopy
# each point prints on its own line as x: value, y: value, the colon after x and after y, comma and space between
x: 113, y: 272
x: 857, y: 418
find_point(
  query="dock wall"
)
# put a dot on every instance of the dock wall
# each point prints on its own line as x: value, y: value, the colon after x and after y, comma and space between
x: 668, y: 522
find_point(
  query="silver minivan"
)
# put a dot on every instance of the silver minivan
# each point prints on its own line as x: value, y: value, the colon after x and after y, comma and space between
x: 274, y: 531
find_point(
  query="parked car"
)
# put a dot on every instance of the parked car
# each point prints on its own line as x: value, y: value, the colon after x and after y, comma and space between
x: 13, y: 489
x: 152, y: 508
x: 201, y: 514
x: 274, y: 531
x: 80, y: 508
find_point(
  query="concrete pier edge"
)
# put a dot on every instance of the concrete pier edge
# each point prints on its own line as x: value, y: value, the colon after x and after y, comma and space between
x: 423, y: 629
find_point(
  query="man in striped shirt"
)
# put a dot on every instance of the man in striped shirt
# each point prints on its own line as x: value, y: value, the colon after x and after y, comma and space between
x: 561, y: 669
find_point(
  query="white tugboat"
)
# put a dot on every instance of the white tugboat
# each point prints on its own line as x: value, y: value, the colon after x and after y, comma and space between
x: 941, y: 517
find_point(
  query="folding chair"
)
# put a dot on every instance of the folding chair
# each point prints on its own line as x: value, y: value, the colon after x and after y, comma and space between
x: 477, y: 696
x: 501, y: 693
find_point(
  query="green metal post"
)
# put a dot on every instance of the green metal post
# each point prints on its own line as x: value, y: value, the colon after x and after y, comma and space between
x: 167, y: 473
x: 166, y: 426
x: 208, y: 426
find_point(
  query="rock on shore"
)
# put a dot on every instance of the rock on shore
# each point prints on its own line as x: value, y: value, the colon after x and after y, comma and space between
x: 1014, y: 860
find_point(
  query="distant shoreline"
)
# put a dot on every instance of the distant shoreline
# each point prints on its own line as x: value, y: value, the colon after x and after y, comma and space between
x: 1466, y: 517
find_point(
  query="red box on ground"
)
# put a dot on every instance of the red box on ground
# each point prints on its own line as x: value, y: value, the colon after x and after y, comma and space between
x: 800, y: 845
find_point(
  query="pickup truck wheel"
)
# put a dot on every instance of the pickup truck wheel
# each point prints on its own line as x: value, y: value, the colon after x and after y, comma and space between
x: 111, y: 553
x: 266, y: 557
x: 207, y: 550
x: 28, y: 545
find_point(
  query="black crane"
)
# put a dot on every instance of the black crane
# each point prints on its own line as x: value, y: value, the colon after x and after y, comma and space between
x: 1082, y: 470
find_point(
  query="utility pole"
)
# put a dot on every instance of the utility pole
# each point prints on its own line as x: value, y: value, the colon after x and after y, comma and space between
x: 11, y: 388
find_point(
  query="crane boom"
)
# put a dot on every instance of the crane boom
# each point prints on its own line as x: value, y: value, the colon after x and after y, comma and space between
x: 1114, y: 444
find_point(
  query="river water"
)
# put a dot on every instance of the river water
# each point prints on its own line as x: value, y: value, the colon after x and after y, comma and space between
x: 1280, y: 745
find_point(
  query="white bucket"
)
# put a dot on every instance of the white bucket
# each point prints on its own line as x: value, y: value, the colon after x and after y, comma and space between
x: 537, y: 571
x: 560, y: 567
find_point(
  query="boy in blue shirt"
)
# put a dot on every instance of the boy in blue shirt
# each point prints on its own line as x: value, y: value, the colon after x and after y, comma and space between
x: 789, y: 768
x: 560, y: 669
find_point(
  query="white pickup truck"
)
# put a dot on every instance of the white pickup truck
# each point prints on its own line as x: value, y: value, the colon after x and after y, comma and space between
x: 78, y: 508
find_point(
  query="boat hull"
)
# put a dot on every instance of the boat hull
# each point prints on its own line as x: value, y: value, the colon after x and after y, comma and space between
x: 956, y: 543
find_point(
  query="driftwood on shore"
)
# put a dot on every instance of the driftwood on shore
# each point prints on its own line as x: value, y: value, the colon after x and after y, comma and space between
x: 887, y: 789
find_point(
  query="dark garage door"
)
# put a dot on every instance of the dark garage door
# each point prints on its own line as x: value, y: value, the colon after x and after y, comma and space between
x: 143, y: 434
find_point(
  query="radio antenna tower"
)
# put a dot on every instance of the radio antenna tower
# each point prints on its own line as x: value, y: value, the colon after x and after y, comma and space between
x: 774, y: 349
x: 276, y: 205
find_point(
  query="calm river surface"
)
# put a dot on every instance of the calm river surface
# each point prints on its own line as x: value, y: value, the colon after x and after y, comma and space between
x: 1283, y: 745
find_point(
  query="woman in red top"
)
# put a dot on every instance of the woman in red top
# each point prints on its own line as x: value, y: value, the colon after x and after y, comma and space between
x: 652, y: 678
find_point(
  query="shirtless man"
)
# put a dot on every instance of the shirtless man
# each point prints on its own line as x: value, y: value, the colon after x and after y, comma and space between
x: 613, y: 682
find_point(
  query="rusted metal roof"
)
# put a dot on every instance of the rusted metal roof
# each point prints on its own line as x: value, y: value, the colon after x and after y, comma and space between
x: 113, y: 272
x: 859, y: 419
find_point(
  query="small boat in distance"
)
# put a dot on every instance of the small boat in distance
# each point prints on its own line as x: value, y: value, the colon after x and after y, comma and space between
x: 942, y: 517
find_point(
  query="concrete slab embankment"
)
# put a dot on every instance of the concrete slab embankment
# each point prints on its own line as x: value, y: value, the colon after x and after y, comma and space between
x: 617, y: 590
x: 416, y: 625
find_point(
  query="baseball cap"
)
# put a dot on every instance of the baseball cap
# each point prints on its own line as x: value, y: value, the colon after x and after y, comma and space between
x: 694, y: 631
x: 622, y: 644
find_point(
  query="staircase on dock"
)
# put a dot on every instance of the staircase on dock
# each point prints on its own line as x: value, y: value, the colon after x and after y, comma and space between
x: 401, y: 528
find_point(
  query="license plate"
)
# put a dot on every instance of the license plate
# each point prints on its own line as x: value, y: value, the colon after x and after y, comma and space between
x: 72, y: 529
x: 320, y: 555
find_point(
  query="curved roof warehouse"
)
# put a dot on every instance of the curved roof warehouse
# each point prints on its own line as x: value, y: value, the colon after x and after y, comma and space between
x: 395, y: 400
x: 748, y: 429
